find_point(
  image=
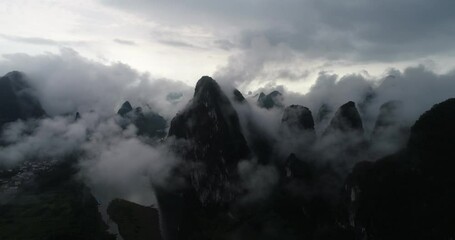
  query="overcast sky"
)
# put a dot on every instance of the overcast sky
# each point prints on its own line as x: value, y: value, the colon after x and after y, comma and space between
x: 251, y: 43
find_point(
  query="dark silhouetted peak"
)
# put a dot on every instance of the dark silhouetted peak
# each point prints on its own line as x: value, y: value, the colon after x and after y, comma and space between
x: 348, y: 105
x: 346, y: 119
x: 15, y: 75
x: 125, y: 109
x: 344, y: 136
x: 297, y: 117
x: 208, y: 138
x: 211, y: 119
x: 77, y: 116
x: 274, y: 94
x: 297, y: 127
x: 17, y: 99
x: 208, y: 93
x: 211, y: 125
x: 238, y: 96
x: 273, y: 99
x: 206, y: 85
x: 148, y: 123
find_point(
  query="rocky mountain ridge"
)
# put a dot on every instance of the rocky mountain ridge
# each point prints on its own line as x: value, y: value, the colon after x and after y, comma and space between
x: 310, y: 186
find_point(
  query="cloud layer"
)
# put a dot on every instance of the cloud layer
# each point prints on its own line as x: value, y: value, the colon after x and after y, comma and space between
x: 68, y: 82
x: 358, y: 30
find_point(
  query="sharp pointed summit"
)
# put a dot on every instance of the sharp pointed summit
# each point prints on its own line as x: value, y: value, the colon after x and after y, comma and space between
x: 273, y: 99
x: 238, y: 96
x: 125, y: 109
x: 212, y: 125
x: 209, y: 139
x: 346, y: 119
x: 148, y: 123
x: 298, y: 124
x: 298, y: 117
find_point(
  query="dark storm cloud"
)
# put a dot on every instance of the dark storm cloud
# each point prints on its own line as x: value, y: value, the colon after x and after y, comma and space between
x: 124, y: 42
x: 358, y: 30
x: 395, y: 30
x: 368, y: 30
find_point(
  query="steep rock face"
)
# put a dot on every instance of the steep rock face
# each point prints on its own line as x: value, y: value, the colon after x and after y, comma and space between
x: 273, y: 99
x: 344, y: 137
x: 125, y: 109
x: 208, y: 137
x: 238, y: 96
x: 149, y: 123
x: 259, y: 139
x: 261, y: 96
x: 77, y: 116
x: 297, y: 125
x: 409, y: 194
x: 17, y: 99
x: 212, y: 129
x: 346, y: 119
x: 297, y: 117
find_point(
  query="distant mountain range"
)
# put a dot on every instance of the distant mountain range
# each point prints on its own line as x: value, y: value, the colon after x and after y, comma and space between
x: 333, y: 185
